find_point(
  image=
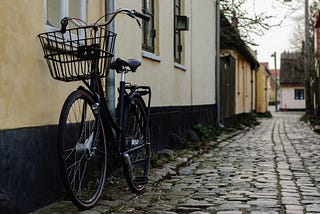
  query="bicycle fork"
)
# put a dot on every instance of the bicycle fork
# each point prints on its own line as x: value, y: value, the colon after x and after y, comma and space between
x: 88, y: 146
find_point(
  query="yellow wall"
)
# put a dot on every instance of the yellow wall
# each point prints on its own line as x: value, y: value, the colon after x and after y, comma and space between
x: 28, y: 94
x: 262, y: 93
x: 245, y: 94
x: 172, y: 85
x: 203, y: 52
x: 30, y: 97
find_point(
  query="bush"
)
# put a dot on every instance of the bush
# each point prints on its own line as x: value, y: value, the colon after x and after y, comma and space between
x: 248, y: 119
x: 207, y: 132
x: 266, y: 114
x: 273, y: 103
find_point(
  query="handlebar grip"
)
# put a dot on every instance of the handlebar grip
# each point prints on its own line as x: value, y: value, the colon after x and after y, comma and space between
x: 142, y: 15
x: 64, y: 23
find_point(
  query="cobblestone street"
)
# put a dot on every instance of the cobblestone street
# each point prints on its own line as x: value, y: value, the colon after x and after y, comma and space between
x: 272, y: 168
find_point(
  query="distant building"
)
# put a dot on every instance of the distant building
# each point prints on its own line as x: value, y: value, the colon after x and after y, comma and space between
x: 239, y: 66
x: 274, y: 81
x: 292, y: 90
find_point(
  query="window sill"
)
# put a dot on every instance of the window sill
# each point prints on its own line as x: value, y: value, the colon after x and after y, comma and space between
x: 151, y: 56
x: 179, y: 66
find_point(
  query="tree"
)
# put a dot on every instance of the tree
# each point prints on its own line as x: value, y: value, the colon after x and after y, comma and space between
x: 298, y: 34
x: 252, y: 21
x: 298, y: 42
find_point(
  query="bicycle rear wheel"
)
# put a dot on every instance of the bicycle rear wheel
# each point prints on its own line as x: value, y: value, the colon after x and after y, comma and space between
x: 82, y: 149
x: 136, y: 145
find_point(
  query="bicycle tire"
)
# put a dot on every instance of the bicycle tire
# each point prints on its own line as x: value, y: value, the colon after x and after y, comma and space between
x: 136, y: 145
x: 83, y: 170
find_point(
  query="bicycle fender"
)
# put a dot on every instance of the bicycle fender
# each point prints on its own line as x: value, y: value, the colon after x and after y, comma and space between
x: 95, y: 95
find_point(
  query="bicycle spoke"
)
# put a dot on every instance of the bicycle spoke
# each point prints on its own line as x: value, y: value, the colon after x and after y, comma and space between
x: 75, y: 166
x: 83, y: 173
x: 83, y: 159
x: 137, y: 148
x: 72, y: 166
x: 71, y: 151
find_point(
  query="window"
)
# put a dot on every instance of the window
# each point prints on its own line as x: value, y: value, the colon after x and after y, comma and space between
x: 55, y: 10
x: 148, y: 27
x: 299, y: 94
x: 177, y: 33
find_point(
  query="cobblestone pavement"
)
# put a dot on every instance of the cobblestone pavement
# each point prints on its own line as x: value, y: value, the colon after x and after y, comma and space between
x: 272, y: 168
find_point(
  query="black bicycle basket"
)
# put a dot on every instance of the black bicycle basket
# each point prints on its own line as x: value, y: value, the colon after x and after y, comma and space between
x: 79, y: 53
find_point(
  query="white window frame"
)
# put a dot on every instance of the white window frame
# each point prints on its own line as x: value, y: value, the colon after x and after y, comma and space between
x: 299, y: 94
x: 64, y: 11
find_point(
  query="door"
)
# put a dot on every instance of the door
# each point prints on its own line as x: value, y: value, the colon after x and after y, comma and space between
x: 228, y: 70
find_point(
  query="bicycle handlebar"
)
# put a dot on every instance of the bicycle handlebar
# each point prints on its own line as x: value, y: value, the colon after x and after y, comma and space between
x: 79, y: 23
x: 141, y: 15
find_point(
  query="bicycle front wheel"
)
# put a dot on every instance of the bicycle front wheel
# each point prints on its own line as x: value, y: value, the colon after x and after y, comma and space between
x: 136, y: 145
x: 82, y: 149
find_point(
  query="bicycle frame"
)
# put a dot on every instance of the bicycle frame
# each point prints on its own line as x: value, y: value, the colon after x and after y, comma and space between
x: 126, y: 91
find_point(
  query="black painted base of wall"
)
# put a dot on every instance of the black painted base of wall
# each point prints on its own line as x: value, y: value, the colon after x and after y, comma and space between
x: 234, y: 120
x: 170, y: 123
x: 292, y: 109
x: 29, y: 162
x: 29, y: 166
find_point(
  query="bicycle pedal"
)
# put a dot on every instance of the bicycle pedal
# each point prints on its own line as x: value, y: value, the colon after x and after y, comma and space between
x: 141, y: 180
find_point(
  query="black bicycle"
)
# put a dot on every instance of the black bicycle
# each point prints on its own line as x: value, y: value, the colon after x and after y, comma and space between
x: 89, y: 139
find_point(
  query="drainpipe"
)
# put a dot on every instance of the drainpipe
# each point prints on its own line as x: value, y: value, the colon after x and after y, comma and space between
x: 218, y: 93
x: 110, y: 79
x: 251, y: 90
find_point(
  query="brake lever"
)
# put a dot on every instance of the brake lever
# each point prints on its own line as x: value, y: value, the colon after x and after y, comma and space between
x: 134, y: 17
x: 138, y: 22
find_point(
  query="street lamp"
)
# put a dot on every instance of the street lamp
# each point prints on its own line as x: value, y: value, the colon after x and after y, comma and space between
x: 274, y: 55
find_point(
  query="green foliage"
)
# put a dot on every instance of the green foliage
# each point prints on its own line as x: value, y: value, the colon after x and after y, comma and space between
x: 249, y: 119
x: 157, y: 160
x: 317, y: 131
x: 312, y: 121
x: 304, y: 119
x: 266, y: 114
x: 243, y: 121
x: 273, y: 103
x: 316, y: 122
x: 207, y: 132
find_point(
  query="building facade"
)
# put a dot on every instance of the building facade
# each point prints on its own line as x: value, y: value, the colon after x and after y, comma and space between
x: 292, y: 90
x: 238, y: 72
x: 179, y: 65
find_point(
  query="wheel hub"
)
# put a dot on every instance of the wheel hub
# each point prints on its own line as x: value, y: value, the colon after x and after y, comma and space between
x: 86, y: 147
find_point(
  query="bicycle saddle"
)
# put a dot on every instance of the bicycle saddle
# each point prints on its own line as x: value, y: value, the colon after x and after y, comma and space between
x: 120, y: 63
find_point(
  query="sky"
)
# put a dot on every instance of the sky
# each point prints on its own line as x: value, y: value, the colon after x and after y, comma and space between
x: 278, y: 38
x: 277, y: 41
